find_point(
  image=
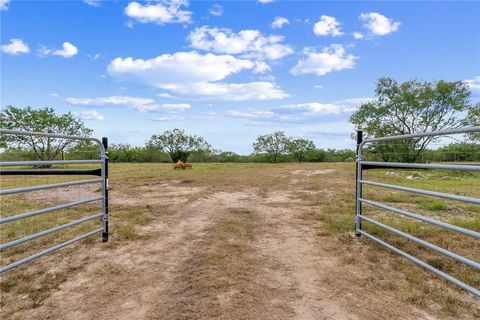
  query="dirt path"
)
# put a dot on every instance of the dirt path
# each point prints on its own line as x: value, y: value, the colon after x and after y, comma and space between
x: 293, y: 244
x: 209, y: 253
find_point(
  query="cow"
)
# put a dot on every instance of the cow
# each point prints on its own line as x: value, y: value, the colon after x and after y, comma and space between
x: 182, y: 165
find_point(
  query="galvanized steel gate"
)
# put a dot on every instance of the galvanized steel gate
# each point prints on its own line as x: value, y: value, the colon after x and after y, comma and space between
x: 101, y: 173
x: 360, y: 200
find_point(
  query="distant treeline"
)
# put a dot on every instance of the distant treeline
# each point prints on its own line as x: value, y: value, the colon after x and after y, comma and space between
x: 460, y: 151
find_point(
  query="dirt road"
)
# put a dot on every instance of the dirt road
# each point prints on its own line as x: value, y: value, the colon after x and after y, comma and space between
x: 228, y: 251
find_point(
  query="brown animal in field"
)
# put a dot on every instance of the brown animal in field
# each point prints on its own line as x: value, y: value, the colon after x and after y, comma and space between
x: 182, y: 165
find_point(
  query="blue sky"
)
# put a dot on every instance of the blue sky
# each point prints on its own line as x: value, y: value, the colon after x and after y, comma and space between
x: 228, y: 71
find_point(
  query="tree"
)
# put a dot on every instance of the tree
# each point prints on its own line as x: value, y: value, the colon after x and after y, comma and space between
x: 411, y: 107
x: 178, y: 144
x: 273, y: 145
x: 41, y: 120
x: 299, y: 148
x: 473, y: 119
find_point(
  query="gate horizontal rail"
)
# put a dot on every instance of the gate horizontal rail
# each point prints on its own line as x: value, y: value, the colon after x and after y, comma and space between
x: 362, y: 165
x: 367, y: 164
x: 54, y: 172
x: 49, y: 250
x: 423, y: 192
x: 46, y: 232
x: 442, y: 274
x: 46, y: 163
x: 101, y: 172
x: 50, y: 209
x: 49, y: 186
x: 423, y: 218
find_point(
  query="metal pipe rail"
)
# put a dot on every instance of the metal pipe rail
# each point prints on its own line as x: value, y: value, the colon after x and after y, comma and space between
x: 439, y: 273
x: 52, y: 172
x: 420, y: 165
x: 417, y: 135
x: 423, y: 192
x: 426, y: 244
x: 422, y: 218
x: 49, y: 186
x: 102, y: 172
x: 49, y: 250
x: 46, y: 163
x: 50, y: 209
x: 34, y: 134
x: 362, y: 165
x: 10, y: 244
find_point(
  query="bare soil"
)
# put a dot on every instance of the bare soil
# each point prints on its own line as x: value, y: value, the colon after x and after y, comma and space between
x: 227, y: 251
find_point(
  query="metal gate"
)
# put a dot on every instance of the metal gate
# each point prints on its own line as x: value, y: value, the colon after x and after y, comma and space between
x: 35, y: 168
x: 360, y: 200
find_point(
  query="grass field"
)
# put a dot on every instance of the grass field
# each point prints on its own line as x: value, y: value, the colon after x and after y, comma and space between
x: 241, y: 241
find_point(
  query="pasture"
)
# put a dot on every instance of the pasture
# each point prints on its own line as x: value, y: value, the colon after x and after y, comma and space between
x: 242, y: 241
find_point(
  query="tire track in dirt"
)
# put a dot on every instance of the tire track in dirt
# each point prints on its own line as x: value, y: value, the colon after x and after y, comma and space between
x: 291, y: 242
x: 224, y: 277
x: 145, y: 267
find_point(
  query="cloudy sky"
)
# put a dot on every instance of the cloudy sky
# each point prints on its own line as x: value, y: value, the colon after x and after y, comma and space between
x: 228, y: 71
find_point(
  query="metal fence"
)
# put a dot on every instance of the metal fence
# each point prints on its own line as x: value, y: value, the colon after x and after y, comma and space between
x: 35, y: 168
x: 363, y: 165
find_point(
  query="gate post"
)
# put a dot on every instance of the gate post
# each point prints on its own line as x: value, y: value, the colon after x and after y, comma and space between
x: 105, y: 190
x: 358, y: 190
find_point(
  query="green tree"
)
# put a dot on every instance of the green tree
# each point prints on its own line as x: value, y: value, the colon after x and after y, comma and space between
x: 178, y: 144
x: 411, y: 107
x: 299, y: 148
x: 40, y: 120
x: 273, y: 145
x: 473, y: 119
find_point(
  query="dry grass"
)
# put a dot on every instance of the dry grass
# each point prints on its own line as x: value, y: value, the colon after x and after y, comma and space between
x: 214, y: 269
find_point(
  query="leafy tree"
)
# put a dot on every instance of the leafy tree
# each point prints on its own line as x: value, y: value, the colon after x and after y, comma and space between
x: 273, y: 145
x: 40, y: 120
x: 317, y: 155
x: 178, y: 144
x: 299, y: 148
x: 473, y: 119
x: 458, y: 151
x: 411, y: 107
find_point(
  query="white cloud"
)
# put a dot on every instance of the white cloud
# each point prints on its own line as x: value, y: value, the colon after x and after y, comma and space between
x: 178, y: 67
x: 216, y: 10
x: 15, y: 47
x: 261, y: 67
x: 314, y: 108
x: 355, y: 101
x: 164, y: 107
x: 138, y: 103
x: 4, y: 5
x: 279, y: 22
x: 93, y: 3
x: 94, y: 57
x: 378, y: 24
x: 265, y: 1
x: 332, y: 58
x: 249, y: 43
x: 53, y: 94
x: 110, y: 101
x: 358, y: 35
x: 166, y: 11
x: 171, y: 117
x: 193, y: 75
x: 227, y: 91
x: 89, y: 115
x: 68, y: 50
x: 327, y: 26
x: 310, y: 112
x: 319, y: 86
x: 474, y: 84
